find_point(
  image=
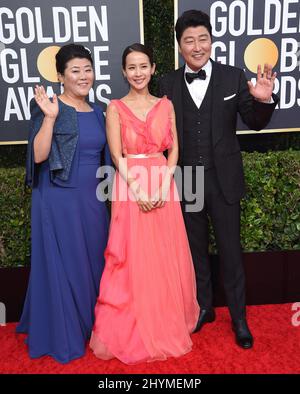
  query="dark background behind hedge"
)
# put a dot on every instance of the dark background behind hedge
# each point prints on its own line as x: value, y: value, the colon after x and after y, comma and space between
x: 159, y: 35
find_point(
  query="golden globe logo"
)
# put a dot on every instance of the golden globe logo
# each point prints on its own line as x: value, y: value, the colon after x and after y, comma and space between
x: 23, y: 30
x: 46, y: 63
x: 260, y: 51
x: 251, y: 32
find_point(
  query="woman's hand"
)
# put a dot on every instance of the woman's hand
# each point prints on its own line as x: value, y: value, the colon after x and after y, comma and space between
x: 160, y: 197
x: 49, y: 108
x: 141, y: 197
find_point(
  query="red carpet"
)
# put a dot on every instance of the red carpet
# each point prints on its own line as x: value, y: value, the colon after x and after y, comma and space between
x: 276, y: 350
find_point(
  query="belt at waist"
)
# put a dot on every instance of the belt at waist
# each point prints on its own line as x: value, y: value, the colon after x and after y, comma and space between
x: 143, y: 155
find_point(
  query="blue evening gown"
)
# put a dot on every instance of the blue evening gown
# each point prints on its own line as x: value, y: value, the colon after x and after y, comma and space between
x: 69, y: 229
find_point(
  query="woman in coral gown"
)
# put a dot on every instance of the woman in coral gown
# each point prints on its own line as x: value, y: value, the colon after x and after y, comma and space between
x: 147, y: 305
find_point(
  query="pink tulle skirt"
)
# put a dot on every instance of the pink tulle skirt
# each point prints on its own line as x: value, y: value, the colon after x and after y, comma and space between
x: 147, y: 305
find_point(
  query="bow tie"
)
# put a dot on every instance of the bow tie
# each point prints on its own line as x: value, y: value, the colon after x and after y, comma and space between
x: 191, y: 76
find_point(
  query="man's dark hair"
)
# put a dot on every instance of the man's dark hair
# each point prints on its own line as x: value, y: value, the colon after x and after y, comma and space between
x: 191, y: 18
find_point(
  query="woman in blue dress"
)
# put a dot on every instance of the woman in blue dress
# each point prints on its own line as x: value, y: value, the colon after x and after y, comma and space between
x: 69, y: 224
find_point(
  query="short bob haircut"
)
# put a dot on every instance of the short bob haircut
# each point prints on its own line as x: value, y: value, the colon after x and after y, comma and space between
x: 69, y: 52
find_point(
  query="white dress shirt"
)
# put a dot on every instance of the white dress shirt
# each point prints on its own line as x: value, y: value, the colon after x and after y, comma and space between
x: 198, y: 87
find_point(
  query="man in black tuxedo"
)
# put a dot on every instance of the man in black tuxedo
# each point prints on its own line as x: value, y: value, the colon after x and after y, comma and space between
x: 207, y: 97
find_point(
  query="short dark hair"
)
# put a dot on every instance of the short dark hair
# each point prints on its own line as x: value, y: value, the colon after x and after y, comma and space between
x: 137, y: 47
x: 69, y: 52
x: 192, y: 18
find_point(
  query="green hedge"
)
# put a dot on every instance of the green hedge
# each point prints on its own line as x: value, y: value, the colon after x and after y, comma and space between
x: 270, y: 212
x: 14, y: 218
x: 159, y: 35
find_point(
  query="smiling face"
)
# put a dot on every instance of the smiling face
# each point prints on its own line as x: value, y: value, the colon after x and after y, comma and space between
x: 138, y: 70
x: 78, y: 77
x: 195, y: 47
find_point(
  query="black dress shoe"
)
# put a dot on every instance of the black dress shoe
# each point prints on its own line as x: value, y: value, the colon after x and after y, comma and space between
x: 205, y: 316
x: 243, y: 336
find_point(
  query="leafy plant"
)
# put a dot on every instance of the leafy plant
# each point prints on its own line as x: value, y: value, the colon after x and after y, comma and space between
x: 14, y: 218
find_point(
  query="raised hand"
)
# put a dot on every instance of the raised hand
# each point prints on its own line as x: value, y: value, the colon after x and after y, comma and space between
x: 49, y: 108
x: 263, y: 89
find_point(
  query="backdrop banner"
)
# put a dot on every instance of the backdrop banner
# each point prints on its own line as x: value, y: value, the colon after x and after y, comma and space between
x: 31, y: 32
x: 251, y: 32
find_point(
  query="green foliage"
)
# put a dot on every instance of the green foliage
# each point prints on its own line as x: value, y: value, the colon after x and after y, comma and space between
x: 270, y: 218
x: 270, y: 212
x: 14, y: 218
x: 271, y: 209
x: 159, y: 35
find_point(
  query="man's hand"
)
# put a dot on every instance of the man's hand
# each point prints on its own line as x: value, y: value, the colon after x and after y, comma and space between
x: 263, y: 89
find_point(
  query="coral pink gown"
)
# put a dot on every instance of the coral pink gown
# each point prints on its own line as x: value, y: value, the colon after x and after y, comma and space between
x: 147, y: 305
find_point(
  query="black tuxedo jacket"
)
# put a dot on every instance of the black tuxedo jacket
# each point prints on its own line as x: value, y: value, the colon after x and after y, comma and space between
x: 230, y: 97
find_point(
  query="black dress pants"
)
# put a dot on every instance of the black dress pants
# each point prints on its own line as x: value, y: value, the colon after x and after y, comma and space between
x: 225, y: 219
